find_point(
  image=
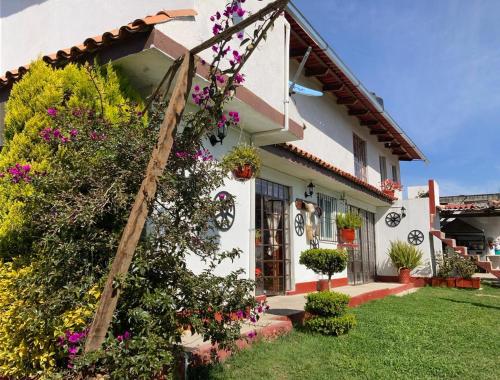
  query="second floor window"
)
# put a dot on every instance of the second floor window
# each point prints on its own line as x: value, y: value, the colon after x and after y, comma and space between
x: 359, y: 157
x: 395, y: 176
x: 328, y: 230
x: 383, y: 168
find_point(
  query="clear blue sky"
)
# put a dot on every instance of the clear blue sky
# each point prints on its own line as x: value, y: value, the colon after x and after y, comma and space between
x: 436, y: 63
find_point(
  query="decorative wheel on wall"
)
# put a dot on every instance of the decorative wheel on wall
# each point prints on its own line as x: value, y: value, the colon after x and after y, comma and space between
x: 299, y: 225
x: 392, y: 219
x: 224, y: 218
x: 415, y: 237
x: 314, y: 242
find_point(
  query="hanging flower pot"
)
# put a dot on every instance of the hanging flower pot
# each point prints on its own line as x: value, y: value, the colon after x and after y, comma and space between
x: 243, y: 161
x: 389, y: 187
x: 404, y: 276
x: 243, y: 172
x: 347, y: 235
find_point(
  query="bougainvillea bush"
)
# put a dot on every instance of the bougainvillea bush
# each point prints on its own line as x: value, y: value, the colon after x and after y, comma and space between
x: 77, y: 150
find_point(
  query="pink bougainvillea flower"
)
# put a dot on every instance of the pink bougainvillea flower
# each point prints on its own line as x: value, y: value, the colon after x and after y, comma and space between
x: 52, y: 112
x: 197, y: 88
x: 252, y: 334
x: 126, y: 335
x: 216, y: 29
x: 240, y: 314
x: 57, y: 133
x: 73, y: 132
x: 220, y: 78
x: 73, y: 350
x: 240, y: 12
x: 222, y: 196
x: 239, y: 78
x: 46, y: 134
x: 240, y: 35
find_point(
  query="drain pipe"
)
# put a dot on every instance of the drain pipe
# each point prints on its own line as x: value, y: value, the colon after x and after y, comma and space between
x: 286, y: 99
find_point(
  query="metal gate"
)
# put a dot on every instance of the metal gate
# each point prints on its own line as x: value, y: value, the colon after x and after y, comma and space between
x: 361, y: 267
x: 272, y: 238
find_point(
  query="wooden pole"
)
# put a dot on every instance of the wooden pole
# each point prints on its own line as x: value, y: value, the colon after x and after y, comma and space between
x: 147, y: 192
x: 146, y: 195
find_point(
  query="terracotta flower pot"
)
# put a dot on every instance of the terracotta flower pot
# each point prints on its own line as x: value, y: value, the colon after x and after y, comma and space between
x: 322, y: 285
x: 404, y: 276
x: 468, y: 283
x: 243, y: 172
x: 347, y: 235
x: 451, y: 282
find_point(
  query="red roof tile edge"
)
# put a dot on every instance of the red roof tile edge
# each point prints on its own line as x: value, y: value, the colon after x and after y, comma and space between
x: 92, y: 43
x: 318, y: 161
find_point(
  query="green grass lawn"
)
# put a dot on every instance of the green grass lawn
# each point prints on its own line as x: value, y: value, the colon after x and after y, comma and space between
x: 435, y: 333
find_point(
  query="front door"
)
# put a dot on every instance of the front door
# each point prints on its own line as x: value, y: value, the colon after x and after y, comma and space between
x: 361, y: 265
x: 272, y: 238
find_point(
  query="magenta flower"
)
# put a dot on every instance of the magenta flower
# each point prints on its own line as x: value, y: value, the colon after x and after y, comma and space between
x: 236, y: 56
x: 73, y: 133
x: 253, y: 319
x: 240, y: 35
x: 222, y: 196
x: 252, y: 334
x: 46, y: 134
x: 57, y: 133
x: 197, y: 88
x: 220, y: 78
x: 216, y: 29
x: 126, y: 335
x: 240, y: 314
x: 239, y: 78
x: 73, y: 350
x: 240, y: 12
x: 52, y: 112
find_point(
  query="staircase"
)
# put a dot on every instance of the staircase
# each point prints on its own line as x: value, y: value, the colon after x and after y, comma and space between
x: 462, y: 251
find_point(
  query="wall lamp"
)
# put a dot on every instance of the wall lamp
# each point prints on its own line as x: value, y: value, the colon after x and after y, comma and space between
x: 310, y: 190
x: 218, y: 136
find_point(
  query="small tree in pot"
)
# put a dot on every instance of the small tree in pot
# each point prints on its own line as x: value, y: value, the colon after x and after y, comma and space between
x: 347, y: 224
x: 405, y: 257
x: 243, y: 161
x: 324, y: 261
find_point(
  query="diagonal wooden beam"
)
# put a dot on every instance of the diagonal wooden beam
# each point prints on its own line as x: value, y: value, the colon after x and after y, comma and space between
x: 385, y: 138
x: 378, y: 132
x: 369, y: 123
x: 298, y: 52
x: 334, y: 87
x: 358, y: 112
x: 316, y: 71
x: 348, y: 100
x: 139, y: 213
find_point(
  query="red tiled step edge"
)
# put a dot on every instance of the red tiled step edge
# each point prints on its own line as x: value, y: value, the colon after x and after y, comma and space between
x: 203, y: 354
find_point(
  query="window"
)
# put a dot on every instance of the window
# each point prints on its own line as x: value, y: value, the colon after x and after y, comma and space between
x: 328, y: 228
x: 383, y: 168
x: 359, y: 157
x: 395, y: 176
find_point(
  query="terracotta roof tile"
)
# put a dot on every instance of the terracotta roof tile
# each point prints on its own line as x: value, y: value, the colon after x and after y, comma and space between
x: 318, y: 161
x: 94, y: 43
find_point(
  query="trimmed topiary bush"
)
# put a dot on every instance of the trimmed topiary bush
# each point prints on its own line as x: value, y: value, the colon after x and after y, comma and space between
x: 331, y: 325
x: 327, y: 304
x: 324, y: 261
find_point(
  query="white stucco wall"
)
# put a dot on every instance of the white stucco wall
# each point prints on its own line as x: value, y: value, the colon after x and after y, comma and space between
x: 417, y: 218
x: 329, y: 133
x: 31, y: 28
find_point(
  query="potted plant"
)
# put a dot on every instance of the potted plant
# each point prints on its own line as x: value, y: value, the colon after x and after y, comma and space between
x: 243, y: 161
x: 258, y: 237
x: 324, y: 261
x: 347, y: 223
x: 405, y: 257
x: 445, y: 270
x: 465, y: 269
x: 389, y: 187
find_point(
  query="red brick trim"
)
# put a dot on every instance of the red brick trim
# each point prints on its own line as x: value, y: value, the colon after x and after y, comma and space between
x: 312, y: 286
x: 416, y: 281
x: 378, y: 294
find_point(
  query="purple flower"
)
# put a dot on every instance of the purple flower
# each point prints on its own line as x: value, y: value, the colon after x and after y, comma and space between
x: 240, y: 314
x: 52, y: 112
x: 240, y: 35
x: 126, y: 335
x: 197, y: 88
x: 253, y: 319
x: 220, y: 78
x: 252, y: 334
x: 57, y: 133
x: 73, y: 350
x: 239, y: 78
x: 216, y: 29
x: 236, y: 56
x: 240, y: 12
x: 222, y: 196
x: 203, y: 62
x: 73, y: 133
x: 259, y: 309
x: 74, y: 338
x: 215, y: 48
x: 119, y: 338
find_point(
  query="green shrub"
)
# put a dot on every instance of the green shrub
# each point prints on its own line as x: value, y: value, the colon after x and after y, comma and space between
x: 240, y: 156
x: 348, y: 220
x: 404, y: 255
x: 453, y: 264
x: 324, y: 261
x: 327, y: 304
x: 331, y: 325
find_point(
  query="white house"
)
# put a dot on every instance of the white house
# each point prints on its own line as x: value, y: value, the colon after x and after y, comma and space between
x: 344, y: 142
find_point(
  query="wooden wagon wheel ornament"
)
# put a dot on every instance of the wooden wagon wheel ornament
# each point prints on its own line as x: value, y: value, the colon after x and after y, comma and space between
x: 299, y: 225
x: 415, y: 237
x: 224, y: 218
x: 392, y: 219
